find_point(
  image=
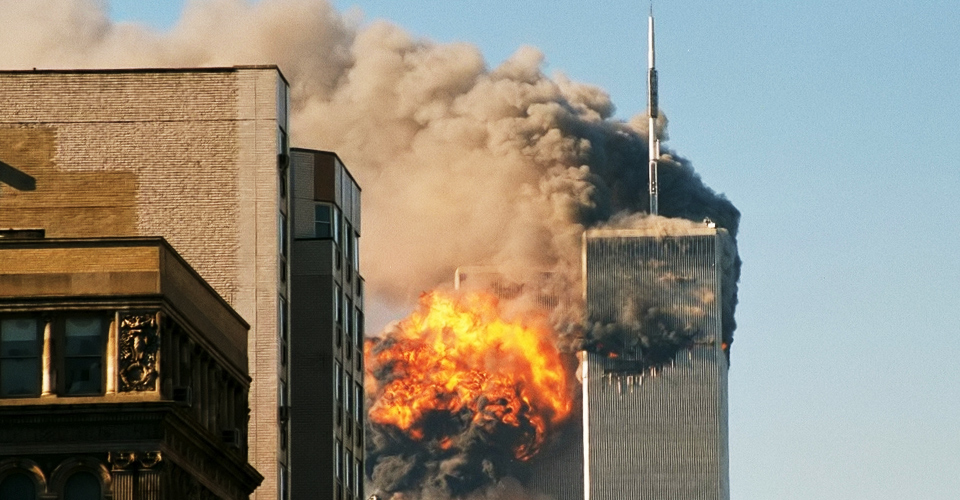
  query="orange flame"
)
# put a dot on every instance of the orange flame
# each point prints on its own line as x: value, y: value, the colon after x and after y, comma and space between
x: 456, y: 355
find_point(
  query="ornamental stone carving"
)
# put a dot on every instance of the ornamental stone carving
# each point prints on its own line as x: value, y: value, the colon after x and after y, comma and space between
x: 138, y: 345
x: 121, y: 460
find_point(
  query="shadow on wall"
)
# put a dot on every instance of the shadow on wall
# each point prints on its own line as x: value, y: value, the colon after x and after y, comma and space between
x: 16, y: 179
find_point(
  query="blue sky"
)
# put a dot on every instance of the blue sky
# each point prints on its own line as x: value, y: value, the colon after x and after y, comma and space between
x: 833, y: 127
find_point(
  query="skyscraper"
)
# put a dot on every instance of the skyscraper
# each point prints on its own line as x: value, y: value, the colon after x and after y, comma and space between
x: 655, y: 370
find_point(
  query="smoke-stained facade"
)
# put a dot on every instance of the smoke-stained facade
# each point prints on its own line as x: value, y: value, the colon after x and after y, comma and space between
x: 655, y: 369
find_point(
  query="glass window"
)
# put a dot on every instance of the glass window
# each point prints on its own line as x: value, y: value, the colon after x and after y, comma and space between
x: 356, y: 251
x: 358, y: 402
x: 282, y: 313
x: 337, y: 298
x: 347, y: 393
x: 322, y: 227
x: 337, y: 224
x: 339, y: 380
x: 349, y: 469
x: 20, y: 348
x: 283, y: 483
x: 348, y: 316
x: 339, y: 459
x: 18, y: 486
x: 356, y: 478
x: 358, y: 328
x: 83, y: 355
x: 282, y: 234
x: 82, y: 486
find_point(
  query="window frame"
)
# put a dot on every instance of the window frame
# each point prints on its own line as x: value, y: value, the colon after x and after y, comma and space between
x: 61, y: 357
x: 39, y: 340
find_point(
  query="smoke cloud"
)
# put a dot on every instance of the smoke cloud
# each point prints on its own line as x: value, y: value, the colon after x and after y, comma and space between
x: 459, y: 163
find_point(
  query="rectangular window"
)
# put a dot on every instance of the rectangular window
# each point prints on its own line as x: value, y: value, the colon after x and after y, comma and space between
x: 20, y: 349
x: 283, y: 329
x: 322, y: 226
x: 356, y: 250
x: 358, y: 328
x: 348, y: 251
x: 349, y: 469
x: 283, y: 161
x: 348, y: 317
x: 282, y: 234
x: 338, y: 464
x: 338, y: 374
x: 358, y: 402
x: 337, y: 299
x: 347, y: 394
x: 83, y: 355
x: 356, y: 478
x: 337, y: 224
x: 283, y: 479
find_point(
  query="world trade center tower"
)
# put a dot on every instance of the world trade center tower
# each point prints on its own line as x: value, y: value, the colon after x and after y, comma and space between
x: 655, y: 367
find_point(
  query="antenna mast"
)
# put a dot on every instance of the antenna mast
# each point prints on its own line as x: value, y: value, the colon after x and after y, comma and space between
x: 652, y: 111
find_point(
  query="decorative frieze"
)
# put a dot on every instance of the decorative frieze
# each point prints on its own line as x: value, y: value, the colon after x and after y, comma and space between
x: 138, y: 347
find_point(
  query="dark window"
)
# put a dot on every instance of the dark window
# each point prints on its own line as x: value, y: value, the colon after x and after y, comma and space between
x: 321, y: 221
x: 283, y: 483
x: 283, y: 160
x: 18, y: 486
x: 348, y: 317
x: 358, y: 328
x: 282, y: 234
x: 283, y: 327
x: 348, y: 250
x: 337, y: 299
x: 338, y: 465
x: 358, y: 402
x: 348, y: 481
x: 20, y: 349
x: 82, y: 486
x: 338, y: 373
x: 348, y: 394
x: 337, y: 224
x: 83, y: 355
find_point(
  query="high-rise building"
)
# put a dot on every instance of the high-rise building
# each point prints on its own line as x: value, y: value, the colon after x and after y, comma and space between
x: 655, y: 374
x: 196, y: 156
x: 327, y: 456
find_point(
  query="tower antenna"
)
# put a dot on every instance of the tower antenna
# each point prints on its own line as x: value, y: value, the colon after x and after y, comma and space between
x: 652, y: 112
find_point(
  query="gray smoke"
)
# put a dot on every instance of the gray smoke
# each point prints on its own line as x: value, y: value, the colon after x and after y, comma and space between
x: 459, y: 163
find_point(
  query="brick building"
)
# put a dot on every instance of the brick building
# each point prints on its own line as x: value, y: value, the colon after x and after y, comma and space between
x: 196, y: 156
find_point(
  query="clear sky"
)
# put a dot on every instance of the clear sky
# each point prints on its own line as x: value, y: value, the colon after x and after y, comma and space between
x: 833, y: 127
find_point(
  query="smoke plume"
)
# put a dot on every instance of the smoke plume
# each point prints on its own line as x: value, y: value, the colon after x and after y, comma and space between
x: 459, y: 163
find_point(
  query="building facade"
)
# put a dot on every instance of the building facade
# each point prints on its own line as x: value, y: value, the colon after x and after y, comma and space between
x: 655, y: 390
x: 196, y: 156
x: 327, y: 398
x: 123, y: 375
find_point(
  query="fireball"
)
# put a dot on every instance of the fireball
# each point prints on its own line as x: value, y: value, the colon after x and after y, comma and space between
x: 455, y: 363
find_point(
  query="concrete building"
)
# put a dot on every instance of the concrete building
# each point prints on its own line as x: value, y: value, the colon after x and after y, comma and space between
x: 196, y: 156
x: 655, y: 414
x: 123, y: 375
x: 327, y: 331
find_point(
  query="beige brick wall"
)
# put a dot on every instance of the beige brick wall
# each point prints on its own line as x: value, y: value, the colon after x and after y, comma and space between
x: 188, y: 155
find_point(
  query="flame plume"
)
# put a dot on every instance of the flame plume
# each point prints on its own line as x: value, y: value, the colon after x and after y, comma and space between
x: 455, y: 380
x: 456, y: 356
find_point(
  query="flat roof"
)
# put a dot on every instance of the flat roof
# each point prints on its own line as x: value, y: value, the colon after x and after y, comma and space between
x: 199, y: 69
